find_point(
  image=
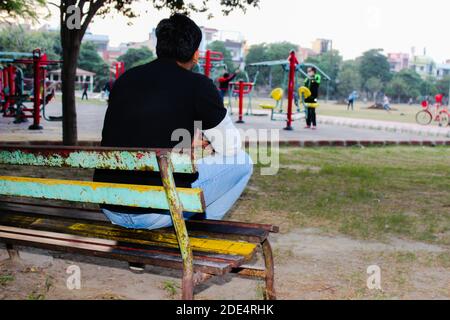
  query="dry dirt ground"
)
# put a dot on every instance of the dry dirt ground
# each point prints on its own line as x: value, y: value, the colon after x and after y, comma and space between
x: 309, y: 265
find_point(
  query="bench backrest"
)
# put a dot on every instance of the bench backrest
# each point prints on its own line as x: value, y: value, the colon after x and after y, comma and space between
x: 95, y: 192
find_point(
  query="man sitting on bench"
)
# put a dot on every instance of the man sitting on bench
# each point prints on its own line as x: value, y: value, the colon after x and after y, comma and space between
x: 148, y: 108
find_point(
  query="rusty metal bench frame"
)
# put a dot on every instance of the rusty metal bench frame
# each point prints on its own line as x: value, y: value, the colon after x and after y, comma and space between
x: 163, y: 160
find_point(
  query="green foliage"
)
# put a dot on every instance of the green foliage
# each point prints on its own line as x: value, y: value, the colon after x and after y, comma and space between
x: 16, y: 38
x: 398, y: 88
x: 273, y: 77
x: 135, y: 57
x: 187, y: 7
x: 349, y: 79
x: 373, y: 64
x: 428, y: 87
x: 219, y: 46
x: 90, y: 60
x: 12, y: 9
x: 413, y: 82
x: 374, y: 86
x: 443, y: 85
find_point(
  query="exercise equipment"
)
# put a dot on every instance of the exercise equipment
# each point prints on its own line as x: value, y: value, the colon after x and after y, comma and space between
x: 211, y: 63
x: 293, y: 72
x: 277, y: 95
x: 243, y: 88
x: 234, y: 92
x: 14, y: 97
x: 117, y: 69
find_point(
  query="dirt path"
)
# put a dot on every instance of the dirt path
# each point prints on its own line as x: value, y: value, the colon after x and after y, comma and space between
x: 310, y: 265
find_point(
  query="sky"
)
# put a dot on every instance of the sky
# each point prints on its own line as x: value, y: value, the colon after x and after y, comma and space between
x: 354, y: 25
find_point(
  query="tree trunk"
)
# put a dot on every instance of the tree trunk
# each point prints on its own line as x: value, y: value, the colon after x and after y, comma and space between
x: 71, y: 42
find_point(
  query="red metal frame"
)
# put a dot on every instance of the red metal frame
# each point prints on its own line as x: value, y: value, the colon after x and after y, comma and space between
x: 293, y: 62
x: 243, y: 88
x: 209, y: 57
x: 39, y: 62
x: 120, y: 69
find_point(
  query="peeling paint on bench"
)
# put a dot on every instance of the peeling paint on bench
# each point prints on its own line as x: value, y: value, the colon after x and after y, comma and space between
x: 99, y: 193
x: 95, y: 159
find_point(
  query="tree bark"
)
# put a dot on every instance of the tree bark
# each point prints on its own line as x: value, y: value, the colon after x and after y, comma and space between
x: 71, y: 50
x: 70, y: 42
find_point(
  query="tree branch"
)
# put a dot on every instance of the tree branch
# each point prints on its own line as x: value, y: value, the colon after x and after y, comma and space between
x: 93, y: 8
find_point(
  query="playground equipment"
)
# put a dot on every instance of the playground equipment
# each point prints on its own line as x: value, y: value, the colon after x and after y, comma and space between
x: 439, y: 113
x: 211, y: 63
x: 277, y: 95
x: 234, y: 91
x: 13, y: 96
x: 118, y: 68
x: 242, y: 88
x: 292, y: 69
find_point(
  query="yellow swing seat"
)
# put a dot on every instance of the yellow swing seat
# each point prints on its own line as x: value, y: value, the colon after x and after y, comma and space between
x: 267, y: 106
x: 277, y: 95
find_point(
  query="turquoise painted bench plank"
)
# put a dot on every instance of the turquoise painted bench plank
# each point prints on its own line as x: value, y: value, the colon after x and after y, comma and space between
x: 100, y: 193
x: 98, y: 158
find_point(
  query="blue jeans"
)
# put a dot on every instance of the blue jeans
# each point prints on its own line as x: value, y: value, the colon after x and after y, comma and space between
x: 222, y: 179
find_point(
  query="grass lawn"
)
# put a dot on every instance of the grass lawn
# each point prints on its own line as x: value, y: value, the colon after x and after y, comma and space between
x: 402, y: 113
x: 367, y: 193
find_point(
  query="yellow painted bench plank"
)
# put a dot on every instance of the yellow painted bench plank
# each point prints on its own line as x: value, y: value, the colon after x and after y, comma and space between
x: 100, y: 193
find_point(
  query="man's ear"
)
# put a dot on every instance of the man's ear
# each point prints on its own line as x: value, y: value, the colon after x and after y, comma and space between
x: 196, y: 56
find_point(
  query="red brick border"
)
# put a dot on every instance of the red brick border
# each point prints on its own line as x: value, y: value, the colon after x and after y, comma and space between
x: 285, y: 143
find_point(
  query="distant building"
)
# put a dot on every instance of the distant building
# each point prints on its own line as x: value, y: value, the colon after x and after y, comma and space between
x: 305, y: 53
x: 111, y: 54
x: 423, y: 65
x: 101, y: 41
x: 398, y: 61
x: 82, y: 77
x: 237, y: 50
x: 443, y: 70
x: 320, y: 46
x: 208, y: 35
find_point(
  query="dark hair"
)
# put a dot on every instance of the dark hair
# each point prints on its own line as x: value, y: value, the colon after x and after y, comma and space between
x: 178, y: 38
x: 226, y: 75
x: 313, y: 69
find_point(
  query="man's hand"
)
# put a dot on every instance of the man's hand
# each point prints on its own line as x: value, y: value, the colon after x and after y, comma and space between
x: 200, y: 142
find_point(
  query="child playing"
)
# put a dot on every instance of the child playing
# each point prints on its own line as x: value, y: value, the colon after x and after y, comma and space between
x: 312, y: 82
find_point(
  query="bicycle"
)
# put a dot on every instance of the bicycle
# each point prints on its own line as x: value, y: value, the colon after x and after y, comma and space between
x: 440, y: 113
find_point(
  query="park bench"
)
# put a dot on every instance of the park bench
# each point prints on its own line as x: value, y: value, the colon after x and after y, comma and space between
x: 200, y: 248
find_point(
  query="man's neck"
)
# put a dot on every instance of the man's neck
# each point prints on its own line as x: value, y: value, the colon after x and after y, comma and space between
x: 186, y: 65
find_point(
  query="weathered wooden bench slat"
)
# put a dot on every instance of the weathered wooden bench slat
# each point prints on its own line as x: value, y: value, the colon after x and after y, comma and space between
x: 210, y: 228
x: 69, y: 244
x: 90, y: 158
x: 234, y: 260
x: 141, y: 237
x: 99, y: 193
